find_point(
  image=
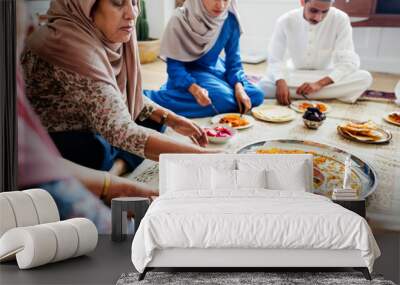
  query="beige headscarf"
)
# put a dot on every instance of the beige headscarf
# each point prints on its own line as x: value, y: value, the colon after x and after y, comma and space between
x: 70, y: 40
x: 192, y: 31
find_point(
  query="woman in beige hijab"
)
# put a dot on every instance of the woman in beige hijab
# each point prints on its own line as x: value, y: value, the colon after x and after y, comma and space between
x: 83, y: 79
x: 201, y: 83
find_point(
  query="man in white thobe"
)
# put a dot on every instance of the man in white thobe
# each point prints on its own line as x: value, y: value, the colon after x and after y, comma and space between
x: 312, y: 55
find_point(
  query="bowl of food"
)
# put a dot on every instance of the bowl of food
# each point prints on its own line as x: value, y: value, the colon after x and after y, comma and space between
x: 313, y: 118
x: 220, y: 133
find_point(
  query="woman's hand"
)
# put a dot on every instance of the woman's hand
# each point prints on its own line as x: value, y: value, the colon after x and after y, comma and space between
x: 242, y: 99
x: 200, y: 94
x: 187, y: 128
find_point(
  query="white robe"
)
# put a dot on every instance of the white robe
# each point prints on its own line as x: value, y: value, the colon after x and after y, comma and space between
x: 301, y: 52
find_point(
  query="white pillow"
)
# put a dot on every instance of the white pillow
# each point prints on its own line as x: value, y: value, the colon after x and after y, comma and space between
x: 224, y: 179
x: 293, y: 179
x: 290, y: 172
x: 184, y: 177
x: 251, y: 179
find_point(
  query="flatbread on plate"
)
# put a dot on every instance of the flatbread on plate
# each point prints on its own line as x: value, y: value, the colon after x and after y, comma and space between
x: 273, y: 113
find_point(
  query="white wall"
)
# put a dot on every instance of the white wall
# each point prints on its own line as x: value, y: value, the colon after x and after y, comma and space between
x: 258, y: 18
x: 35, y: 7
x: 379, y: 48
x: 158, y: 13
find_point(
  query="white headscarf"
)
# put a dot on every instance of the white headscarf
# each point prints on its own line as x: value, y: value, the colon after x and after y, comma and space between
x: 192, y: 31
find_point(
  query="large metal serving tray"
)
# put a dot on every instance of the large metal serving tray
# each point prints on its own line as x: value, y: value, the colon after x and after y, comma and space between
x: 328, y: 165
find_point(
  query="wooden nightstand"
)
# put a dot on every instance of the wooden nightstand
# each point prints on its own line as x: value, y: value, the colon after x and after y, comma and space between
x: 357, y: 206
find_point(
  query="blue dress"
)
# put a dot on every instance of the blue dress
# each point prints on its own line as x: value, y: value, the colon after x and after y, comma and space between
x: 211, y: 72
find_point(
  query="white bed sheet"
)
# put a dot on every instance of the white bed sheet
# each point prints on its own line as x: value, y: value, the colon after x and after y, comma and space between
x: 255, y: 218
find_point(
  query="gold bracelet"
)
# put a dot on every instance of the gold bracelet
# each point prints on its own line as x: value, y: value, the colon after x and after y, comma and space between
x: 106, y: 185
x: 164, y: 118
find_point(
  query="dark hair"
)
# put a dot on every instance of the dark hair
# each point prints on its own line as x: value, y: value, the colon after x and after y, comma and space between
x: 94, y: 8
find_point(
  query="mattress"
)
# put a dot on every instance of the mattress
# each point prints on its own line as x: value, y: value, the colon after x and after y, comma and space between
x: 250, y: 219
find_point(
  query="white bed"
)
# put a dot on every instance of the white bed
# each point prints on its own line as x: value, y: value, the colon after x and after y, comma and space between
x: 245, y: 225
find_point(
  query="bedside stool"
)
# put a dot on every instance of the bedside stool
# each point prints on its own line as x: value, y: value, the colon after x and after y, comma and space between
x: 119, y: 209
x: 357, y: 206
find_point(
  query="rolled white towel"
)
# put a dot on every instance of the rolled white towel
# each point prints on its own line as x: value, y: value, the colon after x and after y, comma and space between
x: 32, y: 246
x: 37, y: 245
x: 87, y: 235
x: 46, y: 208
x: 7, y: 217
x: 23, y: 208
x: 67, y: 240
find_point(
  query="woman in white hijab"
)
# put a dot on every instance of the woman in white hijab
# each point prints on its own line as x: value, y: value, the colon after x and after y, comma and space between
x: 200, y: 83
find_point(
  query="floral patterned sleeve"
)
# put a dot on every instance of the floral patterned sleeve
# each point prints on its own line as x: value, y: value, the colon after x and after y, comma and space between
x: 106, y: 112
x: 148, y: 108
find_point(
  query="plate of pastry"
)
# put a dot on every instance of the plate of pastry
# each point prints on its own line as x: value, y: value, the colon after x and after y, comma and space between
x: 393, y: 118
x: 273, y: 113
x: 364, y: 132
x: 302, y: 105
x: 234, y: 120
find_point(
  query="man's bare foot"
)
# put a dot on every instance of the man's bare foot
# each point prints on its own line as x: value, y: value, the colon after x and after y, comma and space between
x: 119, y: 167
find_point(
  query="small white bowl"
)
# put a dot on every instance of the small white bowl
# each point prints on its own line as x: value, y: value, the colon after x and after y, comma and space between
x: 221, y: 140
x: 312, y: 124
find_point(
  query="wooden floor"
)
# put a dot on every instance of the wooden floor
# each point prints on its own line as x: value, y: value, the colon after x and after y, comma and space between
x: 154, y: 75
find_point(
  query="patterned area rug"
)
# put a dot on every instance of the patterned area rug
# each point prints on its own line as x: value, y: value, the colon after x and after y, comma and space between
x: 383, y: 206
x: 243, y: 278
x: 372, y: 95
